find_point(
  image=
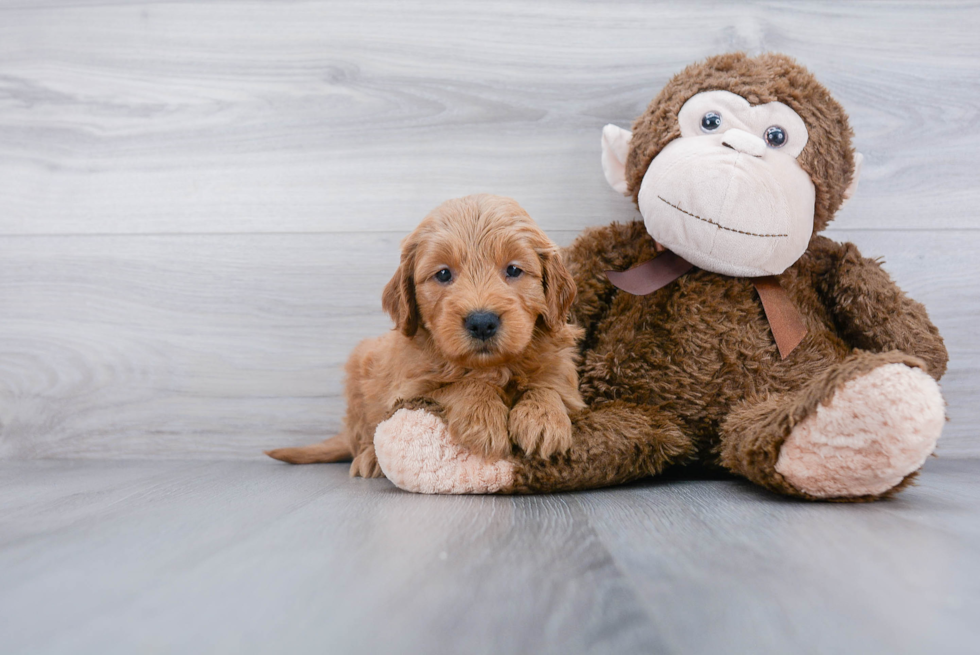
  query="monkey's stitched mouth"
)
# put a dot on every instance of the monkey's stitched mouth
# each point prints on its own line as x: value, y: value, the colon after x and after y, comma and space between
x: 718, y: 225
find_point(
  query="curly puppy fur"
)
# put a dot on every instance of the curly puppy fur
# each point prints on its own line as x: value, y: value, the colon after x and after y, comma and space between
x: 516, y: 387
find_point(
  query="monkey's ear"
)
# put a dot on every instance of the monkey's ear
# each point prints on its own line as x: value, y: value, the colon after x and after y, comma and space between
x: 398, y: 299
x: 615, y: 148
x: 559, y: 288
x: 853, y: 186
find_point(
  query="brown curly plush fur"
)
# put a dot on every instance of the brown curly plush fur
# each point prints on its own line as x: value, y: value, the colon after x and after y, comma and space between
x: 690, y: 374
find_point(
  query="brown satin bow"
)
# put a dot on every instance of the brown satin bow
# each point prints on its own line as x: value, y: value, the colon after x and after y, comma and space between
x: 784, y: 318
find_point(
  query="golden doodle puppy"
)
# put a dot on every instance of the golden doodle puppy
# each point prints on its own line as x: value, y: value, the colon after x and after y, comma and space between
x: 480, y: 302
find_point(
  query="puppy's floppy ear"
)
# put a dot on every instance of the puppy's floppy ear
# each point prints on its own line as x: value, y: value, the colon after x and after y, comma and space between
x: 398, y: 299
x: 559, y: 287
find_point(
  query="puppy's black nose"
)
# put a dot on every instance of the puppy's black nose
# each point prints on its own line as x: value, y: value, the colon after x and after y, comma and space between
x: 482, y: 325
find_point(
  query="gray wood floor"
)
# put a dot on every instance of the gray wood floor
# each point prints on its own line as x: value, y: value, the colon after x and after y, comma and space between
x: 200, y: 203
x: 242, y: 557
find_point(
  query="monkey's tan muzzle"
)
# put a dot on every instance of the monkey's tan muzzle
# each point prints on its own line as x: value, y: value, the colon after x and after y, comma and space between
x: 727, y: 205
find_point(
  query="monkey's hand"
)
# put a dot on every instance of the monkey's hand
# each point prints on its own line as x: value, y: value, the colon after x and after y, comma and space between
x: 539, y: 422
x: 418, y: 454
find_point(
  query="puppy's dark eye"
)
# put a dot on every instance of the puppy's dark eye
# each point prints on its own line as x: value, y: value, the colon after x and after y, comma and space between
x: 775, y: 136
x: 513, y: 271
x: 445, y: 275
x: 710, y: 121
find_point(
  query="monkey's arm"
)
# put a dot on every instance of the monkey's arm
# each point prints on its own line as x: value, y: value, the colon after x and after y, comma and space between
x: 873, y: 314
x: 613, y: 247
x: 612, y: 444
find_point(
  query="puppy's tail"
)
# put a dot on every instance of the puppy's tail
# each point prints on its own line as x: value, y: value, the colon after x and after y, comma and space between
x: 334, y: 449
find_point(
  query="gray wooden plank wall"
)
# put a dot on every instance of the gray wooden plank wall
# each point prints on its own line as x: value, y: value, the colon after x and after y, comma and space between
x: 201, y: 201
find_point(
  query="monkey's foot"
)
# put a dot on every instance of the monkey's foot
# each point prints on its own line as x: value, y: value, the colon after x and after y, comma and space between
x: 876, y: 430
x: 416, y: 453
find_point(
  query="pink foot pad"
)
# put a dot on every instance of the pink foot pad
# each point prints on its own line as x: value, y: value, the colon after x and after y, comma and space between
x: 416, y: 454
x: 876, y: 429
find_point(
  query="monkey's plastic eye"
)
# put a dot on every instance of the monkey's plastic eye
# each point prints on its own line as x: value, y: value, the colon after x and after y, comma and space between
x: 513, y: 271
x: 445, y: 275
x: 710, y: 121
x: 775, y: 137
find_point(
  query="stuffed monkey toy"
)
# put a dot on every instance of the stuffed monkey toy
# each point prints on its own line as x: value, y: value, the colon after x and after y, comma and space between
x: 723, y: 330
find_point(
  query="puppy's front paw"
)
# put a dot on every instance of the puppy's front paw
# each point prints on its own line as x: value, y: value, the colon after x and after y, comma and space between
x: 484, y: 431
x: 366, y: 465
x: 541, y: 426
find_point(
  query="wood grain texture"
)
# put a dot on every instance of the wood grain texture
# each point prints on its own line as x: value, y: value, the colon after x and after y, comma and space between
x: 717, y: 568
x: 201, y: 201
x: 258, y: 557
x: 322, y: 116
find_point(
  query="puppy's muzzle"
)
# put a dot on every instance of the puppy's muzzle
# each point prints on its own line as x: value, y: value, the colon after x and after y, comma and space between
x: 482, y: 325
